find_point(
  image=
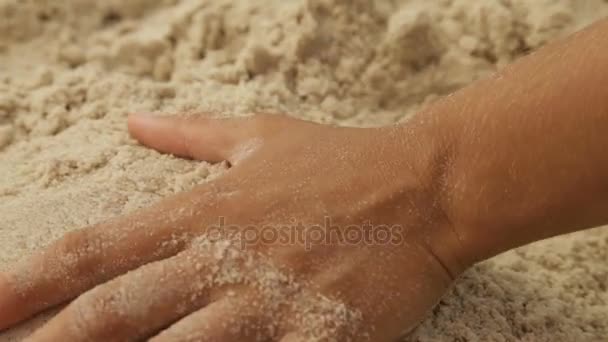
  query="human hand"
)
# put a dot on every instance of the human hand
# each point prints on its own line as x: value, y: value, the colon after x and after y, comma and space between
x: 167, y: 273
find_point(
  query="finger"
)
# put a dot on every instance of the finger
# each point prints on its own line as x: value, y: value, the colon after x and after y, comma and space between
x: 10, y: 310
x: 135, y: 305
x: 197, y: 137
x: 87, y: 257
x: 226, y: 320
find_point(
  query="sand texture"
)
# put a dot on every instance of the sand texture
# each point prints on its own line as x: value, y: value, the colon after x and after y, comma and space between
x: 70, y: 70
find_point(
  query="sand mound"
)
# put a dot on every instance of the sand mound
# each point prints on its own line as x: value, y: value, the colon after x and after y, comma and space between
x: 70, y: 70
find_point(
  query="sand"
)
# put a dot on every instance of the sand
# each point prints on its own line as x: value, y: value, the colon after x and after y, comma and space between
x: 70, y: 70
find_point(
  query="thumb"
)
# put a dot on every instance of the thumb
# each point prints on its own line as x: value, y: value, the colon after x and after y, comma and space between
x: 197, y: 137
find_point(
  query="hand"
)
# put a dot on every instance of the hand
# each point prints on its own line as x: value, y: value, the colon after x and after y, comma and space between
x: 241, y: 257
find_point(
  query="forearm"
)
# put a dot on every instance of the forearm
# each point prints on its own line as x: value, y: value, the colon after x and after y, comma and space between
x: 524, y: 154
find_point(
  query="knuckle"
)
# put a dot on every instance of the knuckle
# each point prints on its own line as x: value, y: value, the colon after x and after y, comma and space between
x: 91, y: 316
x: 78, y: 252
x: 74, y: 242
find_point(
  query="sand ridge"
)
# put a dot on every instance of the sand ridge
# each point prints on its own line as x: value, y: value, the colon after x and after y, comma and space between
x: 70, y: 70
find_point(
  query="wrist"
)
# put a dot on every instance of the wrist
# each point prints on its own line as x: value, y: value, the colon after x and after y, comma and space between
x: 428, y: 147
x: 505, y: 182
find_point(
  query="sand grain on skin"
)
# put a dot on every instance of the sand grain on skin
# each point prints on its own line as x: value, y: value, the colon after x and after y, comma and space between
x: 71, y: 70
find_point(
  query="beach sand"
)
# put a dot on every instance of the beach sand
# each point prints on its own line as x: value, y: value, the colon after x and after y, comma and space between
x: 71, y: 70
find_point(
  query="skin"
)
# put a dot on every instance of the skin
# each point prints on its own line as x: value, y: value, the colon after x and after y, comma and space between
x: 507, y: 161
